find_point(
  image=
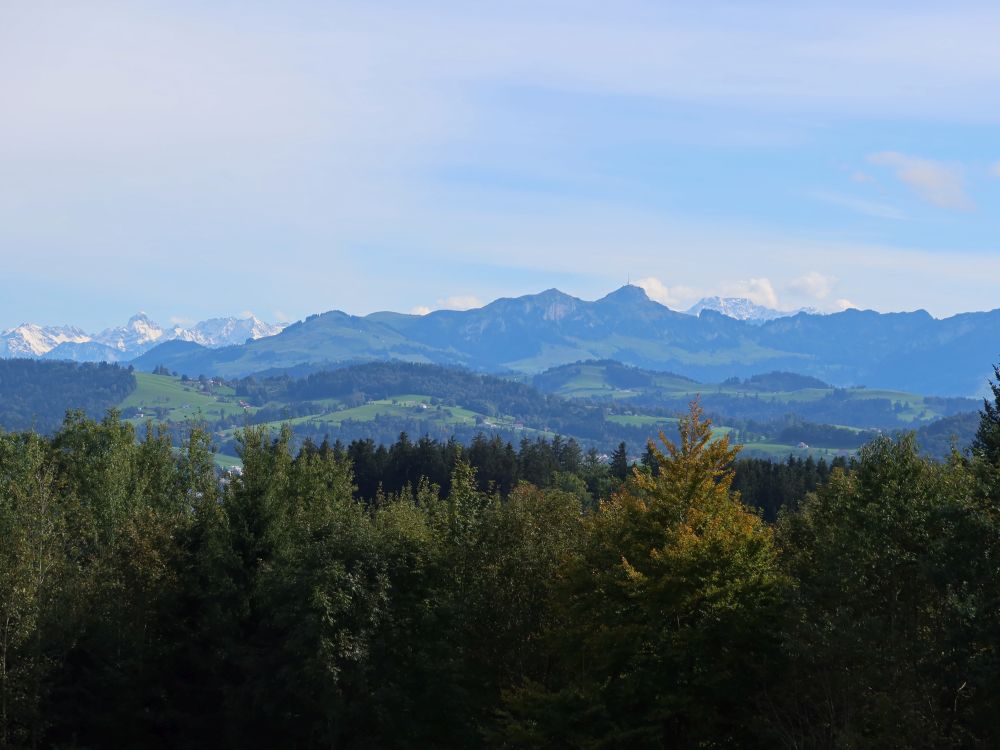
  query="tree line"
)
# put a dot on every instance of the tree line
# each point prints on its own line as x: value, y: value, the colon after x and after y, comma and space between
x: 35, y: 395
x: 144, y: 602
x: 499, y: 467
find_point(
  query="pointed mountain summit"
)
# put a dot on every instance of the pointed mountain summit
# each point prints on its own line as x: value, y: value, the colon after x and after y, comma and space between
x: 629, y: 294
x: 134, y: 337
x: 630, y: 309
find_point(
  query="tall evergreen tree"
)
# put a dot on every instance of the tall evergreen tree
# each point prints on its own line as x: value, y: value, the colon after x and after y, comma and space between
x: 619, y: 462
x: 987, y: 441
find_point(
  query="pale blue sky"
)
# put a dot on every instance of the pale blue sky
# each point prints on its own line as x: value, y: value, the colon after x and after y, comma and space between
x: 201, y: 159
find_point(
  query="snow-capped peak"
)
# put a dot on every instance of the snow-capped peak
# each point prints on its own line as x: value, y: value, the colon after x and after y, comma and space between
x: 227, y: 331
x: 32, y: 340
x: 741, y: 308
x: 137, y: 336
x: 138, y: 333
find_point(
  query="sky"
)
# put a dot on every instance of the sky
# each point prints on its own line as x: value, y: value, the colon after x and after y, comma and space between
x: 196, y: 160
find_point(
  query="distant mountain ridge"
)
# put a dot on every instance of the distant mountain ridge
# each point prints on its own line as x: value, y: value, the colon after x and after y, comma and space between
x: 31, y: 340
x: 909, y: 351
x: 123, y: 343
x: 741, y: 308
x: 529, y: 334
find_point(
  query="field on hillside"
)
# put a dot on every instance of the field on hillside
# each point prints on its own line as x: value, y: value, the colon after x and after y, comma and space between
x: 593, y: 381
x: 402, y: 406
x: 781, y: 451
x: 174, y: 401
x: 168, y: 399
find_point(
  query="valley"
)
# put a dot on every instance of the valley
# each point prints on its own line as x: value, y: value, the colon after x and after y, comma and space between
x: 599, y: 404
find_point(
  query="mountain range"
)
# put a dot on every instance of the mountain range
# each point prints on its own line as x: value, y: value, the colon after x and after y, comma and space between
x: 124, y: 343
x: 909, y: 351
x: 742, y: 308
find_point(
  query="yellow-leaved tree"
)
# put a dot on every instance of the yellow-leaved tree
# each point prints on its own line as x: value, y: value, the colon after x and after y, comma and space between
x: 665, y: 634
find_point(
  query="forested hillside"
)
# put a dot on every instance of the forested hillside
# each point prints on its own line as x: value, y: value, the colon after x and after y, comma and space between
x: 598, y: 404
x: 36, y: 395
x: 144, y: 603
x: 761, y: 398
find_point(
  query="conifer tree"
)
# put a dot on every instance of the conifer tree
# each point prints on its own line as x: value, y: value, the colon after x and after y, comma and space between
x: 619, y: 462
x: 986, y: 444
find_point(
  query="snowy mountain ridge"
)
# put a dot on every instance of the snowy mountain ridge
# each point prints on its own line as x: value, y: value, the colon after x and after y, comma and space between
x: 742, y: 308
x: 137, y: 336
x: 31, y: 340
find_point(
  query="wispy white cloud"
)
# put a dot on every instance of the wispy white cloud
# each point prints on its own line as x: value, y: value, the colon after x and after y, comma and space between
x: 286, y: 136
x: 419, y: 310
x: 814, y: 284
x: 936, y: 182
x: 678, y: 297
x: 758, y: 290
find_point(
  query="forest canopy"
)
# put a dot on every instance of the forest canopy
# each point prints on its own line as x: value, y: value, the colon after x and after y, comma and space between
x: 146, y: 602
x: 35, y: 395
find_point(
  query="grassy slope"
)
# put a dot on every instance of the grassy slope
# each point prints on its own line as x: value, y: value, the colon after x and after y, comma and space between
x: 590, y: 382
x: 779, y: 452
x: 404, y: 405
x: 182, y: 401
x: 186, y: 402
